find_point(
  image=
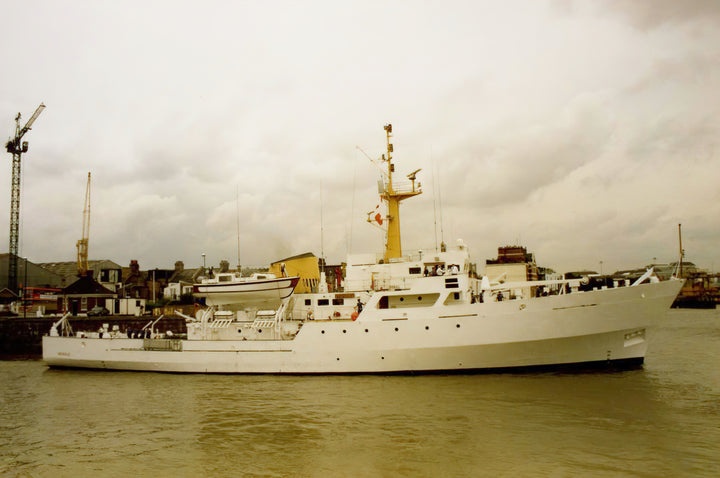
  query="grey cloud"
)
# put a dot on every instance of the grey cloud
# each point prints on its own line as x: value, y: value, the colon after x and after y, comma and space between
x: 657, y: 13
x: 535, y: 157
x: 556, y: 129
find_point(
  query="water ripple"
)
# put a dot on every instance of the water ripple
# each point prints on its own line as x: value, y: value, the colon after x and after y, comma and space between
x: 662, y: 420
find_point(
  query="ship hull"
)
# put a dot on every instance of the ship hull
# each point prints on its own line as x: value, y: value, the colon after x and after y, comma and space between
x: 606, y: 349
x: 604, y: 326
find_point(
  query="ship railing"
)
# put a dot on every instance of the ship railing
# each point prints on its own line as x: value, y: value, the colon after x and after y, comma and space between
x: 280, y: 315
x: 379, y: 258
x: 489, y: 289
x: 403, y: 186
x: 512, y: 290
x: 272, y: 323
x: 395, y: 283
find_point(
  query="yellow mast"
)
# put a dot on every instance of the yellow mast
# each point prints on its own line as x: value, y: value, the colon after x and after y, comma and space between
x: 393, y: 248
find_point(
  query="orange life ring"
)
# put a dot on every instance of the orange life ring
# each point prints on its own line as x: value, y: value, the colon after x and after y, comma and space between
x: 354, y: 315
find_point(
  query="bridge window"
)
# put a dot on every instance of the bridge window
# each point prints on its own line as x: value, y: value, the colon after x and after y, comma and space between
x: 451, y: 283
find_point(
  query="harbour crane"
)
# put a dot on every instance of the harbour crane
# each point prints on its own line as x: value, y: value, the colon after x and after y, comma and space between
x: 82, y: 244
x: 16, y: 148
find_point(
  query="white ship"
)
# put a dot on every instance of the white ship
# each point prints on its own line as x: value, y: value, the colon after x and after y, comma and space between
x: 417, y: 314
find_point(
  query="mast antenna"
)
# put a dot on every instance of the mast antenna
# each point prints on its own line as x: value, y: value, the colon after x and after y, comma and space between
x: 237, y: 212
x: 322, y: 231
x: 682, y: 252
x: 442, y: 229
x: 435, y: 194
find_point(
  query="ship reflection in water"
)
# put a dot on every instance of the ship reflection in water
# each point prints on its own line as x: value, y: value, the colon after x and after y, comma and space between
x: 660, y: 420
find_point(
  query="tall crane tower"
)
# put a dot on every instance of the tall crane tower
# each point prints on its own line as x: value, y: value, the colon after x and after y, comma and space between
x: 16, y: 148
x: 82, y: 244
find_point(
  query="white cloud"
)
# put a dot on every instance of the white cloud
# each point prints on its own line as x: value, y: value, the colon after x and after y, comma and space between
x: 586, y: 132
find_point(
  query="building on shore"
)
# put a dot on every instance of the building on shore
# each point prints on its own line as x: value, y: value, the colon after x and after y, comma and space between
x: 83, y: 295
x: 513, y: 264
x: 36, y: 291
x: 106, y: 272
x: 304, y: 266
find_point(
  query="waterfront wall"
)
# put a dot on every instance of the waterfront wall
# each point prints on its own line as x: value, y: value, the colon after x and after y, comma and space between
x: 22, y: 336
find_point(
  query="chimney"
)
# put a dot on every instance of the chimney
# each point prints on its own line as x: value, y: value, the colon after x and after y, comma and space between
x: 179, y: 266
x: 134, y: 267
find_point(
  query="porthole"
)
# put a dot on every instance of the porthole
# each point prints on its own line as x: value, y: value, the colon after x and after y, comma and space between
x: 457, y: 325
x: 402, y: 299
x: 344, y: 331
x: 259, y: 331
x: 322, y: 331
x: 419, y: 298
x: 366, y: 330
x: 427, y: 327
x: 396, y: 329
x: 338, y: 359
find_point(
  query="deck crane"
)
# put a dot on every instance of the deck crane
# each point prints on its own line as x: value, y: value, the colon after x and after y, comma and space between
x: 82, y: 244
x: 16, y: 148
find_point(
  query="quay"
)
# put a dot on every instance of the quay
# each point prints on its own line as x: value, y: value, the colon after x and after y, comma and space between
x: 21, y: 337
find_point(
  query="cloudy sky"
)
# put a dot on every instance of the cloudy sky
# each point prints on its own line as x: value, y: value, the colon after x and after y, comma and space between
x: 585, y: 131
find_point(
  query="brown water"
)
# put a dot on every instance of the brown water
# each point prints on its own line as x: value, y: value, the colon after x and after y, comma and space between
x: 663, y: 420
